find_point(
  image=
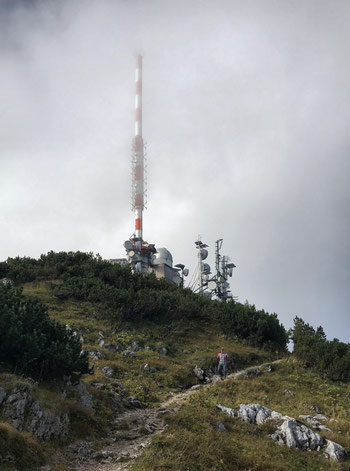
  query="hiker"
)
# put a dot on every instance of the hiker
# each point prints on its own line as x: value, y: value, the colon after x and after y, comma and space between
x: 222, y: 363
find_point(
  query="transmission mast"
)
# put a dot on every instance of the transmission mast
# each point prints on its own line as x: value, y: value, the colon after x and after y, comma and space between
x: 203, y: 268
x: 224, y: 270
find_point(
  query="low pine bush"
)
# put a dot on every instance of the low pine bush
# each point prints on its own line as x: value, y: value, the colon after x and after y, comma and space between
x: 33, y: 344
x: 329, y: 357
x: 124, y: 296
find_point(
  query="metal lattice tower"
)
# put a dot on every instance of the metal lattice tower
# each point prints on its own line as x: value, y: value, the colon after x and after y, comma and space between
x: 142, y: 256
x: 224, y: 270
x: 138, y: 159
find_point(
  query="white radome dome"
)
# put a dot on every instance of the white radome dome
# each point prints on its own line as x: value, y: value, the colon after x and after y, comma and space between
x: 163, y: 257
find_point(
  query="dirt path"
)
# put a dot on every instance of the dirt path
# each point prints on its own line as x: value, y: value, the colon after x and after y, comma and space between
x: 133, y: 430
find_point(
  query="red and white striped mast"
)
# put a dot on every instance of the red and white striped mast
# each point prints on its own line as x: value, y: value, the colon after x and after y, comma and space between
x: 138, y: 182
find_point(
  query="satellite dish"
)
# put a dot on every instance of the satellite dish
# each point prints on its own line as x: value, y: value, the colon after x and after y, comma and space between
x: 131, y: 253
x: 185, y: 272
x: 203, y: 253
x: 177, y: 279
x: 212, y: 285
x: 128, y: 245
x: 180, y: 265
x: 206, y: 268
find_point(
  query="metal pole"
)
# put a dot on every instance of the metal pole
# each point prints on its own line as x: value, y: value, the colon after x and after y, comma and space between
x: 138, y: 175
x: 200, y: 275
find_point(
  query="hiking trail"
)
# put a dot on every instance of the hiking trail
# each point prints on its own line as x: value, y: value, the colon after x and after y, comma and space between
x: 134, y: 429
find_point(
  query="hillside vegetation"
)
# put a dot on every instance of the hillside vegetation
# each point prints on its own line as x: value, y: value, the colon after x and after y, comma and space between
x: 194, y: 442
x: 125, y: 296
x: 129, y: 337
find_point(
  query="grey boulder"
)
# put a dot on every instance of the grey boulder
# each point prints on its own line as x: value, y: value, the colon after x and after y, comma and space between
x: 199, y: 373
x: 297, y: 435
x: 257, y: 414
x: 95, y: 355
x: 227, y: 410
x: 335, y: 451
x: 221, y: 427
x: 108, y: 371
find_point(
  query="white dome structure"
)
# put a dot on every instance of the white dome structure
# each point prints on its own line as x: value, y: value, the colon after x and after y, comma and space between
x: 162, y: 257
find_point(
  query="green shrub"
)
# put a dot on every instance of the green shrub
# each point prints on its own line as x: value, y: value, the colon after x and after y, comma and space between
x: 331, y: 358
x: 258, y: 328
x: 33, y: 344
x: 126, y: 296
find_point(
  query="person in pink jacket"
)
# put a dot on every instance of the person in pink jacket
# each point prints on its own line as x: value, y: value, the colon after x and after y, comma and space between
x: 222, y: 363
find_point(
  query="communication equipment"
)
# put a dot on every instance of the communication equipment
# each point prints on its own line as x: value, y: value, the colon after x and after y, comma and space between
x: 206, y: 268
x: 128, y: 245
x: 212, y: 285
x: 218, y: 284
x: 203, y: 253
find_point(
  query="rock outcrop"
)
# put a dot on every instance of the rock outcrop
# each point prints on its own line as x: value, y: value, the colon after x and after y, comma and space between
x: 257, y: 414
x: 85, y: 398
x: 297, y: 435
x: 95, y: 355
x: 45, y: 424
x: 335, y: 451
x: 314, y: 422
x: 28, y: 414
x: 108, y: 371
x: 199, y: 373
x: 227, y: 410
x: 290, y: 432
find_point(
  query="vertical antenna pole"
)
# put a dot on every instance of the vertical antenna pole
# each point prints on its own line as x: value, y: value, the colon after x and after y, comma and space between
x: 138, y: 170
x: 200, y: 272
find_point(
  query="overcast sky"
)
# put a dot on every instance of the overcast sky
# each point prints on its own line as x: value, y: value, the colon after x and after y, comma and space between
x: 246, y: 116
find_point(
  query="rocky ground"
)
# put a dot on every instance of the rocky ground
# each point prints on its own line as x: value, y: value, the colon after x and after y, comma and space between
x: 135, y: 425
x: 133, y: 430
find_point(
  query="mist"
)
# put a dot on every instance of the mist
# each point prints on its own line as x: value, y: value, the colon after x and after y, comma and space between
x: 246, y: 118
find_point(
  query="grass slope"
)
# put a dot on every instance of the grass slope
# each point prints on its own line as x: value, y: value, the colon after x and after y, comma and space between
x: 192, y: 441
x: 188, y: 344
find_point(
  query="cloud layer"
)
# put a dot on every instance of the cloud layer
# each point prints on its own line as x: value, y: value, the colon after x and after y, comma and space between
x: 246, y: 115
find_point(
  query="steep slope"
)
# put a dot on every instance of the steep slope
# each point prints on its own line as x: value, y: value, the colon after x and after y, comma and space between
x: 136, y: 364
x: 153, y: 351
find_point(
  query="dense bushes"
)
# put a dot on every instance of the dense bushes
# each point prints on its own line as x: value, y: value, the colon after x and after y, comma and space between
x: 126, y: 296
x: 33, y: 344
x: 50, y: 267
x: 67, y: 265
x: 331, y: 358
x: 259, y: 328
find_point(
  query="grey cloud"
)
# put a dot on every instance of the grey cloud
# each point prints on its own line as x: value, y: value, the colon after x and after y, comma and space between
x: 246, y: 117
